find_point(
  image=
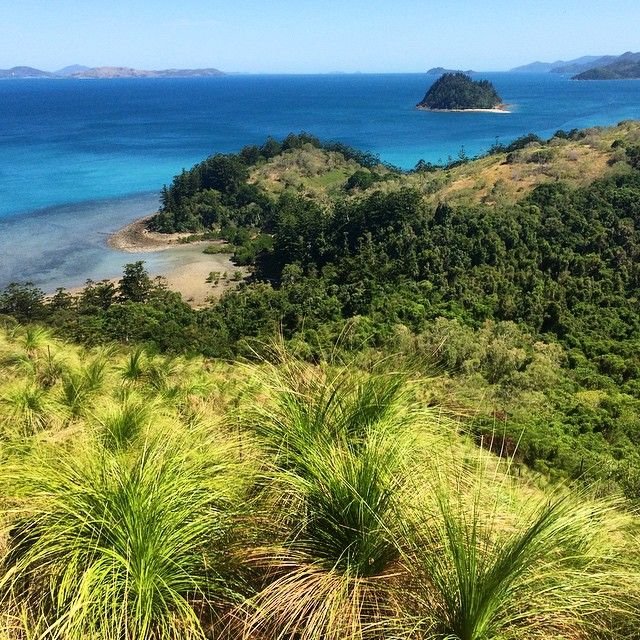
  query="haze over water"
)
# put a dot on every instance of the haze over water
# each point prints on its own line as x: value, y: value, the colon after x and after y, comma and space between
x: 78, y: 159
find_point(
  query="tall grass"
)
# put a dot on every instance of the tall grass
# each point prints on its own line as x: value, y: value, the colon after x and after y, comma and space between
x: 338, y: 444
x: 303, y: 503
x: 26, y: 409
x: 331, y: 567
x: 121, y: 425
x: 34, y: 352
x: 135, y: 366
x: 34, y: 339
x: 495, y: 563
x: 305, y: 407
x: 112, y: 546
x: 81, y: 385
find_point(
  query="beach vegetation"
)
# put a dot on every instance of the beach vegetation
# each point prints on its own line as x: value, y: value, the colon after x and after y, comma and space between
x: 25, y: 302
x: 135, y: 284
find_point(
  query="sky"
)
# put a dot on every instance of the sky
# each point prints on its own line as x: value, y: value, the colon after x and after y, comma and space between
x: 312, y: 36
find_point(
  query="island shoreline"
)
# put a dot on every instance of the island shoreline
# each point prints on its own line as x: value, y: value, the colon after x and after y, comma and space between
x: 136, y: 237
x: 501, y: 108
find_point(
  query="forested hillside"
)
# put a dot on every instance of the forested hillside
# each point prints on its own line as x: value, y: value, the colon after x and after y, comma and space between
x: 514, y: 277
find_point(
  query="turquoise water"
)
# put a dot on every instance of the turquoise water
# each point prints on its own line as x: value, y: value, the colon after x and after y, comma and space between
x: 81, y: 158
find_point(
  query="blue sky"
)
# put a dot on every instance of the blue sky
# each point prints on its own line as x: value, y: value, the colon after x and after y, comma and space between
x: 305, y: 36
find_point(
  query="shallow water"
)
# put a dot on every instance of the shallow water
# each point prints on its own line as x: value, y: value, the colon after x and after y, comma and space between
x: 65, y: 245
x: 78, y: 159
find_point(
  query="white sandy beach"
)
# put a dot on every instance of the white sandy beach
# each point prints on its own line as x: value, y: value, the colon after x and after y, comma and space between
x: 498, y: 109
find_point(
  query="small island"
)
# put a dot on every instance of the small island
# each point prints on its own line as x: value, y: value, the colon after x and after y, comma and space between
x: 438, y: 71
x: 458, y: 92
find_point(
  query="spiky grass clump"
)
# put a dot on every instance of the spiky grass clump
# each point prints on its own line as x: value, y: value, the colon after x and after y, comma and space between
x: 338, y: 442
x: 134, y: 368
x: 305, y: 407
x: 540, y: 567
x: 26, y: 410
x: 81, y: 385
x: 33, y: 351
x: 112, y: 546
x: 120, y: 425
x: 333, y: 566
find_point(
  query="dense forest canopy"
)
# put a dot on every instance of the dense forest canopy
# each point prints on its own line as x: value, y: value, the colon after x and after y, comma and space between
x: 217, y: 191
x: 459, y: 91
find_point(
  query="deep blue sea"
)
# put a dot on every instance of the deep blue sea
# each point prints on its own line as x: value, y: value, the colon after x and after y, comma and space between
x: 81, y: 158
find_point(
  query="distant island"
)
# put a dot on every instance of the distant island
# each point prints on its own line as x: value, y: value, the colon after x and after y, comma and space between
x: 627, y: 67
x: 127, y: 72
x: 458, y: 92
x: 438, y: 71
x: 80, y: 71
x: 609, y: 67
x: 563, y: 66
x: 25, y: 72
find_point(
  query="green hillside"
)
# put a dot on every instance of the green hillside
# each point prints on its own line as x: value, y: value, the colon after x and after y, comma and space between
x: 620, y: 70
x: 417, y: 417
x: 624, y: 67
x: 513, y: 276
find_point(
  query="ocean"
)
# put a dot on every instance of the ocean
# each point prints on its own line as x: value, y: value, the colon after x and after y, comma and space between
x: 81, y: 158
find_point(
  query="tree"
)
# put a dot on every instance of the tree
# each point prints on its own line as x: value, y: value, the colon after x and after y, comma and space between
x: 633, y: 156
x: 25, y: 302
x: 97, y: 295
x: 135, y: 284
x: 224, y: 173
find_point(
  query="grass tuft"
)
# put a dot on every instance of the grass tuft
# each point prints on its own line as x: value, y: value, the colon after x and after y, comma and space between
x: 111, y: 546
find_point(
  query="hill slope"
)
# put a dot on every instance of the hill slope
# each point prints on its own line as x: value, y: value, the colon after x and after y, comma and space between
x: 625, y: 67
x: 516, y: 275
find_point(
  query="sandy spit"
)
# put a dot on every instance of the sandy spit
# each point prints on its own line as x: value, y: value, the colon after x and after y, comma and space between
x: 136, y: 238
x: 188, y: 268
x: 502, y: 108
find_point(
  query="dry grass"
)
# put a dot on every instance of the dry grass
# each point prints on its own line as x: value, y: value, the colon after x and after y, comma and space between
x: 493, y: 180
x: 308, y: 168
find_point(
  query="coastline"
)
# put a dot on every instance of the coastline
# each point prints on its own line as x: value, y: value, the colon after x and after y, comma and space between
x: 185, y: 267
x: 136, y: 238
x: 501, y: 108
